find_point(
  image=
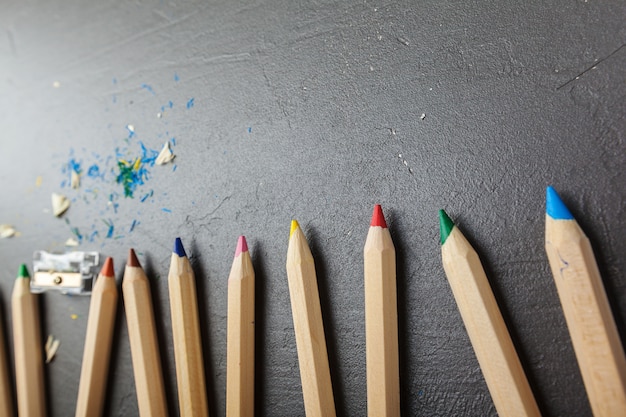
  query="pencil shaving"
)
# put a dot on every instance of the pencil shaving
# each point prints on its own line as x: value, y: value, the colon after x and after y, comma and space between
x: 49, y: 341
x: 75, y: 180
x: 6, y: 230
x: 71, y: 242
x: 52, y: 345
x: 60, y: 204
x: 166, y: 155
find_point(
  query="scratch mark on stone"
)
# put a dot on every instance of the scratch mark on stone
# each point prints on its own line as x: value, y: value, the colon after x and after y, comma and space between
x: 592, y: 67
x: 200, y: 220
x: 115, y: 46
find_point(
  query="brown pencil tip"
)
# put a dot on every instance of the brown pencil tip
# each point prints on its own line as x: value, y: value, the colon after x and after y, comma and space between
x: 132, y: 258
x: 107, y: 269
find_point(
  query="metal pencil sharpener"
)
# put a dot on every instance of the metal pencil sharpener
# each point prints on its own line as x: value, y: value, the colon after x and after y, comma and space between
x: 70, y: 273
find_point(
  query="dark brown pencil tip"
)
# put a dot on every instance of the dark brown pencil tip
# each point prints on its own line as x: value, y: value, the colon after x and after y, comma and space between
x: 107, y: 269
x: 132, y: 258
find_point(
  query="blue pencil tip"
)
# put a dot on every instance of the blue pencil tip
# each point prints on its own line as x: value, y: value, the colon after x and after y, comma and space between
x: 178, y: 248
x: 555, y: 207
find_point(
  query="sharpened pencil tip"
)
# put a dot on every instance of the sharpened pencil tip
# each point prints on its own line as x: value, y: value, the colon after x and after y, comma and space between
x: 178, y: 248
x: 132, y: 259
x: 445, y: 225
x: 23, y: 272
x: 378, y: 218
x: 242, y: 246
x: 555, y: 207
x: 107, y: 269
x: 294, y: 226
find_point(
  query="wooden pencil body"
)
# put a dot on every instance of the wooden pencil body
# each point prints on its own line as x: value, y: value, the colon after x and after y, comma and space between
x: 487, y: 331
x: 309, y: 329
x: 144, y: 346
x: 588, y: 315
x: 240, y: 338
x: 6, y: 397
x: 192, y: 395
x: 97, y: 352
x: 29, y: 373
x: 381, y: 324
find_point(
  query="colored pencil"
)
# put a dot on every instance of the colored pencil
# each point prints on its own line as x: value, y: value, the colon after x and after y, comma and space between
x: 381, y: 320
x: 307, y: 322
x: 100, y: 326
x: 144, y: 348
x: 192, y: 395
x: 29, y: 376
x: 6, y: 392
x: 240, y: 336
x: 586, y: 308
x: 485, y: 326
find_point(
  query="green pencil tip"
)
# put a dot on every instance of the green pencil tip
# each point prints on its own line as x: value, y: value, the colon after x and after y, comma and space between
x: 23, y: 272
x: 445, y: 225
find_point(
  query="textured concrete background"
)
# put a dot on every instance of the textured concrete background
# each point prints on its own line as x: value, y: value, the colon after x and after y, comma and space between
x: 312, y: 110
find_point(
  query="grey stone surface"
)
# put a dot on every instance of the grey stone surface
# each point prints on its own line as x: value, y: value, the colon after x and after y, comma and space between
x: 313, y: 110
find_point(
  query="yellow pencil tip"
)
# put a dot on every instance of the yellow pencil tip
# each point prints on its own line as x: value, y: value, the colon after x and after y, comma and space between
x: 294, y: 226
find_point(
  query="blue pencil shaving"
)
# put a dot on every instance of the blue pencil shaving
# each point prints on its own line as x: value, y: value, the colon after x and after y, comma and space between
x: 76, y: 233
x: 132, y: 226
x: 190, y: 103
x: 148, y: 88
x: 111, y: 228
x: 93, y: 171
x: 74, y: 165
x: 166, y: 210
x: 148, y: 156
x: 112, y: 203
x: 146, y: 196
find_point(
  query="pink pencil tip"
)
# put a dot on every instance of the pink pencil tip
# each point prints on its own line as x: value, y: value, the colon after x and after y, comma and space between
x: 378, y: 219
x: 242, y: 246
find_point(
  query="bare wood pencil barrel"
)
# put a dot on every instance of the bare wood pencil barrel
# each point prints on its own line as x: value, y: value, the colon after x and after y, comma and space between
x: 6, y: 391
x: 240, y: 335
x: 192, y: 396
x: 586, y: 308
x: 144, y: 346
x: 485, y: 326
x: 381, y: 320
x: 307, y: 322
x: 29, y: 374
x: 98, y: 339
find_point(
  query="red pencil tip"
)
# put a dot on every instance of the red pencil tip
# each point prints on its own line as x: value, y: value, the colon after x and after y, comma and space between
x: 132, y: 259
x: 242, y: 246
x: 107, y: 269
x: 378, y: 219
